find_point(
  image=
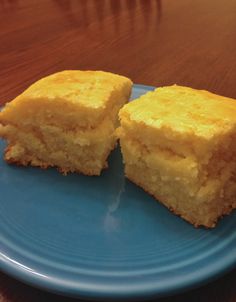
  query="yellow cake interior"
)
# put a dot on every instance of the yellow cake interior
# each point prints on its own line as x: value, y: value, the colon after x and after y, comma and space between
x: 66, y: 120
x: 178, y: 144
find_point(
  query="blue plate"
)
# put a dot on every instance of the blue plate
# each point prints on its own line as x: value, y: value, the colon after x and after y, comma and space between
x: 103, y: 237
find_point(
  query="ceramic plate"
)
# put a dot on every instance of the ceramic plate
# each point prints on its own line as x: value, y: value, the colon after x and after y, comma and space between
x: 98, y: 237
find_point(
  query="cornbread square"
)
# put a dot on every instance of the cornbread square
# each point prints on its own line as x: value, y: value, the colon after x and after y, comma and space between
x: 65, y: 120
x: 179, y: 144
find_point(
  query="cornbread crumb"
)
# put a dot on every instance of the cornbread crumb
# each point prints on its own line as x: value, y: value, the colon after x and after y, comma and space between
x: 65, y: 120
x: 178, y: 144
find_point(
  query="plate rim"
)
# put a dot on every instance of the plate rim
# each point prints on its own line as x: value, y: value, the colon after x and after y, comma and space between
x: 28, y: 278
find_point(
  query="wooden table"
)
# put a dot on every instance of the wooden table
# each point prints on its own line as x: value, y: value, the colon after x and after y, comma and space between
x: 154, y: 42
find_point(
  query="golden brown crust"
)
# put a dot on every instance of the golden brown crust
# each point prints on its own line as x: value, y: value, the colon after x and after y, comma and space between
x: 22, y: 161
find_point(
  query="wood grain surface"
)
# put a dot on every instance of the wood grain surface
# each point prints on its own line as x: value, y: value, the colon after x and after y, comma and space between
x: 154, y: 42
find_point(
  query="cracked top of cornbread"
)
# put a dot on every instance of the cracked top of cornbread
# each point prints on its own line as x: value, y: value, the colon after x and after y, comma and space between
x: 181, y: 119
x: 87, y: 96
x: 183, y: 109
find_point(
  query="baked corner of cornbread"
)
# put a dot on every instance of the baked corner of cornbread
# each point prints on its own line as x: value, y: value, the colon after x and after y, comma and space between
x: 66, y: 120
x: 178, y: 144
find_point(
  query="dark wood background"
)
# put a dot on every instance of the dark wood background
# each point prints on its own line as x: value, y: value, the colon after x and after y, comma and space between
x: 154, y: 42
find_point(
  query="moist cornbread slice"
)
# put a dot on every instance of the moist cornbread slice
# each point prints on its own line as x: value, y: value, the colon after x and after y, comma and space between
x: 179, y: 144
x: 65, y: 120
